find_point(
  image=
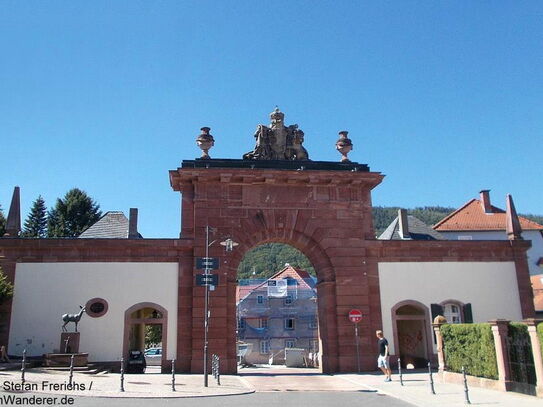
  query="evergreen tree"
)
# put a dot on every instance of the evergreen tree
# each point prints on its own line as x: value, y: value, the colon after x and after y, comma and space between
x: 72, y: 214
x: 6, y: 288
x: 2, y: 222
x: 36, y: 223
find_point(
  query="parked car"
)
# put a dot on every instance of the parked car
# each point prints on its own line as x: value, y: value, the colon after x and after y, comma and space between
x: 153, y: 356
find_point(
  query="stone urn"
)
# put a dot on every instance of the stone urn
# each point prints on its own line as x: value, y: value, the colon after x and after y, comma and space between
x: 344, y: 145
x: 205, y: 141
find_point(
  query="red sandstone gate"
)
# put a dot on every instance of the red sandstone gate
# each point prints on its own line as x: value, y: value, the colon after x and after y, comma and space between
x: 321, y: 208
x: 326, y: 214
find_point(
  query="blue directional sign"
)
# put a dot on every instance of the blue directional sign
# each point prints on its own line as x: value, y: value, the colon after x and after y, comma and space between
x: 203, y: 263
x: 207, y: 279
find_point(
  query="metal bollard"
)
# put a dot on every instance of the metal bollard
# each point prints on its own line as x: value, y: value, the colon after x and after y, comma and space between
x: 173, y: 374
x: 431, y: 379
x: 71, y: 370
x: 466, y: 390
x: 213, y: 365
x: 23, y: 367
x: 218, y: 370
x: 215, y: 368
x: 400, y: 371
x: 122, y: 374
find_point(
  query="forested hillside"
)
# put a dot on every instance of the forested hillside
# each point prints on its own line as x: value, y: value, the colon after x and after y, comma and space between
x: 266, y: 260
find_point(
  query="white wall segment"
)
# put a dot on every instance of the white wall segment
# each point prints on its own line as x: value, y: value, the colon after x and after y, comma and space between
x: 46, y: 291
x: 490, y: 287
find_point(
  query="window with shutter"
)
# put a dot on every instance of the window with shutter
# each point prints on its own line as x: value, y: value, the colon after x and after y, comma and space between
x: 452, y: 313
x: 468, y: 315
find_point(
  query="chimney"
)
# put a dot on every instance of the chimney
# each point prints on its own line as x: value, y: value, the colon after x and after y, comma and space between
x: 13, y: 224
x: 512, y: 223
x: 404, y: 226
x: 133, y: 224
x: 485, y: 200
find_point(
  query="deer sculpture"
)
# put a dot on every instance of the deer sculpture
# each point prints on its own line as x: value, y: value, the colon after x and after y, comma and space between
x: 72, y: 318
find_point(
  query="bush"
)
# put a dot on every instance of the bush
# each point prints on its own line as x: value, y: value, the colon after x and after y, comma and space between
x: 471, y: 346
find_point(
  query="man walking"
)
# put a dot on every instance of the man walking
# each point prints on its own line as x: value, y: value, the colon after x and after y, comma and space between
x: 382, y: 360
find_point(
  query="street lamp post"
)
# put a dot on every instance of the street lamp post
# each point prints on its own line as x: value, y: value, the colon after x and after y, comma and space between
x: 206, y: 308
x: 228, y: 244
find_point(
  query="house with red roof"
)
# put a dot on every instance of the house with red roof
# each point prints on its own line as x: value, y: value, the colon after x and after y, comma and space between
x: 478, y: 219
x: 276, y: 314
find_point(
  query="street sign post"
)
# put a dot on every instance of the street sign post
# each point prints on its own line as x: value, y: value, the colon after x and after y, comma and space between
x: 210, y: 263
x: 355, y: 316
x: 207, y: 279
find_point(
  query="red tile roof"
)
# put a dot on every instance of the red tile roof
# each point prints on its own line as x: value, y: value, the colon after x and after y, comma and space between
x: 472, y: 216
x: 537, y: 287
x: 288, y: 271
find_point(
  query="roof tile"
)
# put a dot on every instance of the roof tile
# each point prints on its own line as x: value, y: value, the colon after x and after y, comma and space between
x: 472, y: 216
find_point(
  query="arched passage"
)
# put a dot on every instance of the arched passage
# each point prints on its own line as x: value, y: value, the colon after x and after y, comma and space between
x: 277, y: 318
x: 412, y: 334
x: 136, y: 318
x: 325, y: 286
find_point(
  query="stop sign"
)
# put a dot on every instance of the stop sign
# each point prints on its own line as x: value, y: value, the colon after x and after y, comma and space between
x: 355, y: 315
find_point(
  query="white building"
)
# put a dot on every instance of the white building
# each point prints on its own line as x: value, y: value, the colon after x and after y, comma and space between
x: 479, y: 220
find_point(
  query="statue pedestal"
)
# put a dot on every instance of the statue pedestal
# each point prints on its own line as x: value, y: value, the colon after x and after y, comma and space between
x: 69, y: 345
x: 64, y: 359
x: 69, y: 342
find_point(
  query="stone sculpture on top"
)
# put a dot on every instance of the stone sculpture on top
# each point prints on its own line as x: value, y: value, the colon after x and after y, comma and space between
x: 277, y: 141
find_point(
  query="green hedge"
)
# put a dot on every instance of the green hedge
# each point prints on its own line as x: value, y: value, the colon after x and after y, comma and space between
x: 471, y: 346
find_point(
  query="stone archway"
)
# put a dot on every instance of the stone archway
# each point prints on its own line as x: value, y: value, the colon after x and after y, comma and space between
x: 326, y: 288
x: 326, y: 214
x: 412, y: 334
x: 160, y: 319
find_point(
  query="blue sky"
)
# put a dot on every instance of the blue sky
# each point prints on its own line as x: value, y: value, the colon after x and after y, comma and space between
x: 444, y: 98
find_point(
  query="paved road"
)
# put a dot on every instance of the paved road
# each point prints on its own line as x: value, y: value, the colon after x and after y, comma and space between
x: 266, y: 399
x: 280, y: 378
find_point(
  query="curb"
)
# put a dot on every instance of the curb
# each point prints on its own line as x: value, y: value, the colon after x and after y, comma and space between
x: 139, y: 396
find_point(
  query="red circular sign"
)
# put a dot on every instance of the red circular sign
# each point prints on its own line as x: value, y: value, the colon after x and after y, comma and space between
x: 355, y: 315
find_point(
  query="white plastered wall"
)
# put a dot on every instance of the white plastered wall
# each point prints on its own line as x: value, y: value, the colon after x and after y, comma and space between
x: 490, y: 287
x: 46, y: 291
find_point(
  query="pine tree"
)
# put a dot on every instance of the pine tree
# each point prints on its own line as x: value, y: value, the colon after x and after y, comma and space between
x: 36, y: 223
x: 2, y: 222
x: 72, y: 214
